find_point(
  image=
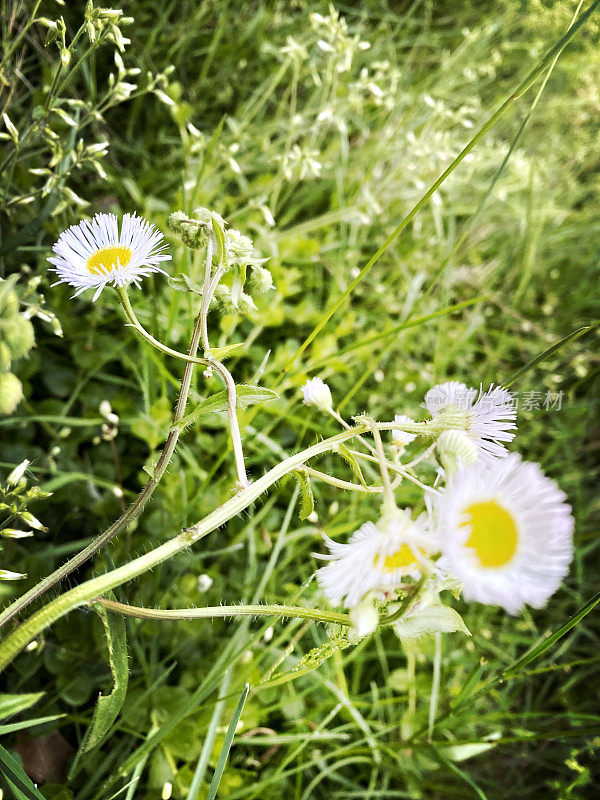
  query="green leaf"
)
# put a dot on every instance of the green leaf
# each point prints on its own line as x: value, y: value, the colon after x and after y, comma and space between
x: 183, y: 283
x: 220, y: 768
x: 550, y: 351
x: 430, y: 619
x: 539, y: 649
x: 308, y: 500
x: 13, y: 771
x: 15, y: 703
x: 353, y: 463
x: 237, y: 285
x: 219, y: 353
x: 109, y: 706
x: 28, y: 723
x: 245, y: 396
x: 220, y: 237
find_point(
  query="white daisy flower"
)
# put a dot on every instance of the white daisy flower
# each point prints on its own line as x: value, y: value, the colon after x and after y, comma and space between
x: 317, y: 393
x: 401, y: 438
x: 376, y: 558
x: 92, y: 254
x: 506, y: 533
x: 489, y: 416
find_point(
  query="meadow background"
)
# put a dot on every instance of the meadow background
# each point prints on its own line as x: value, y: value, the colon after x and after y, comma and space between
x: 316, y: 146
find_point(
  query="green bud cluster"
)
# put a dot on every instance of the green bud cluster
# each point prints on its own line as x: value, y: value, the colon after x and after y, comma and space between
x: 16, y: 340
x: 236, y: 254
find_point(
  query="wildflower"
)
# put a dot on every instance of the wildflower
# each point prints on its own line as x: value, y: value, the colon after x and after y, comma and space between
x: 94, y: 254
x: 506, y: 533
x: 376, y: 558
x: 401, y: 438
x: 317, y: 393
x: 488, y: 416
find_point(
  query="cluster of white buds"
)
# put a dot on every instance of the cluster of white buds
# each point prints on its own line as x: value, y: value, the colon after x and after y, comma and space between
x: 110, y: 428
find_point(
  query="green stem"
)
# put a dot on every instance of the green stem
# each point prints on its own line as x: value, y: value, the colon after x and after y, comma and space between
x: 81, y: 595
x: 135, y: 323
x: 224, y: 611
x: 510, y: 100
x: 134, y: 509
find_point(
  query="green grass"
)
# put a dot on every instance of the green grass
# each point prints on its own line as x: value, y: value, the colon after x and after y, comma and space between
x: 518, y: 245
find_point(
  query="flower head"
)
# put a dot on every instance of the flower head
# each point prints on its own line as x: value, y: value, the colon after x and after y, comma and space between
x: 376, y: 558
x: 92, y: 254
x: 489, y: 416
x: 401, y: 438
x: 317, y: 393
x: 506, y: 533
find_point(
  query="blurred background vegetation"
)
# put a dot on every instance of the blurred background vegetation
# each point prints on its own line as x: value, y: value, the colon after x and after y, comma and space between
x: 314, y: 131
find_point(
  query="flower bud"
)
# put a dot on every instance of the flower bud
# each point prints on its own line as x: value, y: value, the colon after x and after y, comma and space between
x: 401, y: 438
x: 261, y: 279
x: 17, y: 473
x: 364, y: 617
x: 456, y: 449
x: 317, y: 393
x: 11, y: 392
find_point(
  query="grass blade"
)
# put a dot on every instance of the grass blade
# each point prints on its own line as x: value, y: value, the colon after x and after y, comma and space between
x: 220, y: 768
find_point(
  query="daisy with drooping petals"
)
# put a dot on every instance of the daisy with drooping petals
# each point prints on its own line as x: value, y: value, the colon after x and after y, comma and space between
x: 506, y: 533
x: 92, y: 254
x: 376, y: 558
x: 489, y: 416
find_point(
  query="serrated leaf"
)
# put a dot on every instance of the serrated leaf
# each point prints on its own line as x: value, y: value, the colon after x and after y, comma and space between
x: 308, y: 501
x: 430, y: 619
x: 109, y: 706
x: 15, y: 703
x: 245, y: 396
x: 352, y: 462
x: 183, y: 283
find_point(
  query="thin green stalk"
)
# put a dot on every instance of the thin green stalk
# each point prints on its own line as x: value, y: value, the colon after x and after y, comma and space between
x: 135, y: 323
x: 81, y: 595
x: 210, y: 612
x: 211, y: 736
x: 134, y: 509
x: 498, y: 114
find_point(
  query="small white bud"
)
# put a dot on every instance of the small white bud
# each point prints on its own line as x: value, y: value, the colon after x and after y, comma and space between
x: 268, y: 634
x: 364, y: 617
x: 204, y: 583
x: 317, y: 393
x: 17, y: 473
x: 167, y: 790
x: 401, y: 438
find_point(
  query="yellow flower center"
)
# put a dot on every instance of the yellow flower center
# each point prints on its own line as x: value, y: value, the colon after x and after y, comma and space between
x: 104, y: 260
x: 494, y: 535
x: 401, y: 558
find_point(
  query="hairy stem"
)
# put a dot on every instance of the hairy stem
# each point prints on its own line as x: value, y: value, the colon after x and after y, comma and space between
x: 224, y: 611
x: 134, y: 509
x: 81, y: 595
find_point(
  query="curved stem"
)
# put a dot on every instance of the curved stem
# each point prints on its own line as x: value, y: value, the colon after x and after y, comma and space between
x: 135, y: 323
x: 134, y: 509
x: 223, y: 611
x: 81, y: 595
x: 341, y: 484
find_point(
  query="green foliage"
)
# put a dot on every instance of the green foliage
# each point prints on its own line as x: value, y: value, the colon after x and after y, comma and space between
x: 281, y: 119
